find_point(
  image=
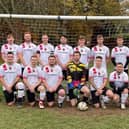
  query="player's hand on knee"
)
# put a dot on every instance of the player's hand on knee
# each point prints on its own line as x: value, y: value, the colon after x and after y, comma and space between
x: 100, y: 91
x: 9, y: 89
x: 31, y: 89
x: 54, y: 89
x: 50, y: 90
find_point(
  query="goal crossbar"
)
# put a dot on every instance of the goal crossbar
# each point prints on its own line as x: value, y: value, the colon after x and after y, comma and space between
x: 62, y: 17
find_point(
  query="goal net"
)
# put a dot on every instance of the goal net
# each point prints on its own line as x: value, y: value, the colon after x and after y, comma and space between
x: 72, y: 26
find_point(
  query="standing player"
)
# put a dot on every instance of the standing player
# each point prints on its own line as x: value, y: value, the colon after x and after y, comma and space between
x: 44, y: 50
x: 98, y: 80
x: 9, y: 46
x: 100, y: 50
x: 32, y: 80
x: 52, y: 79
x: 120, y: 53
x: 64, y: 53
x: 10, y: 73
x: 119, y: 82
x: 76, y: 79
x: 85, y: 52
x: 26, y: 50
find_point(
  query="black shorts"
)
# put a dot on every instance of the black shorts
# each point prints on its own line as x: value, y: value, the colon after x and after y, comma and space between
x: 22, y: 70
x: 119, y: 91
x: 9, y: 97
x: 95, y: 98
x: 64, y: 74
x: 31, y: 96
x: 87, y: 74
x: 51, y: 96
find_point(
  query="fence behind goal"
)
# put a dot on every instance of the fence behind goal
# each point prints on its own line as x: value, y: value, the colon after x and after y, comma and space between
x: 72, y: 27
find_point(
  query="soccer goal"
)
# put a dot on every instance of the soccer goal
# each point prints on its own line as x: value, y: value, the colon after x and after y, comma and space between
x: 72, y: 26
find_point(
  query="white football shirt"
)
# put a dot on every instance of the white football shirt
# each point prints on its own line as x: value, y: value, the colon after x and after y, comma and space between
x: 32, y: 74
x: 85, y: 54
x: 63, y: 52
x: 45, y: 51
x: 10, y: 72
x: 98, y: 76
x: 27, y: 50
x: 101, y: 51
x: 118, y: 79
x: 52, y: 74
x: 120, y: 54
x: 10, y: 48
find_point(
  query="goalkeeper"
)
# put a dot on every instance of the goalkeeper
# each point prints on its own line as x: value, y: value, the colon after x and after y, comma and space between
x: 76, y: 79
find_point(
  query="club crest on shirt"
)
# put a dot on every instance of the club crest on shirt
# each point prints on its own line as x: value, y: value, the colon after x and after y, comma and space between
x: 4, y: 67
x: 47, y: 69
x: 29, y: 70
x: 41, y: 47
x: 6, y: 46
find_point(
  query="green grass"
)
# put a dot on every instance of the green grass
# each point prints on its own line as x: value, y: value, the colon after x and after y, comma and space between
x: 34, y: 118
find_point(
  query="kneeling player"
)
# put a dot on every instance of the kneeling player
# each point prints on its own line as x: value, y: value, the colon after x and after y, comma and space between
x: 98, y: 80
x: 52, y: 79
x: 10, y: 73
x: 76, y: 79
x: 119, y: 83
x: 32, y: 80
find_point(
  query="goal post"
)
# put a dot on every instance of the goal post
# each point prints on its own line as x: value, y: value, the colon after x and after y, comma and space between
x: 72, y: 26
x: 63, y: 17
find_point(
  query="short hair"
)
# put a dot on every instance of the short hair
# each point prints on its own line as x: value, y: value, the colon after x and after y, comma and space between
x: 63, y: 35
x: 99, y: 36
x: 27, y: 32
x: 34, y: 56
x: 119, y: 63
x: 81, y: 37
x: 99, y: 57
x: 9, y: 36
x: 52, y: 56
x: 119, y: 37
x: 10, y: 53
x: 76, y: 52
x: 45, y: 34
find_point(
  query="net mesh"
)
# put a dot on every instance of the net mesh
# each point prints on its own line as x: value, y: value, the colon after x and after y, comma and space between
x: 72, y: 28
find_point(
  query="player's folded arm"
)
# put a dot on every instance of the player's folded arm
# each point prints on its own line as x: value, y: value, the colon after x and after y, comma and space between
x: 127, y: 62
x: 113, y: 61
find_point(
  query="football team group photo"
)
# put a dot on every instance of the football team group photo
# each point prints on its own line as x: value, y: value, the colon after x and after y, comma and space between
x: 45, y: 75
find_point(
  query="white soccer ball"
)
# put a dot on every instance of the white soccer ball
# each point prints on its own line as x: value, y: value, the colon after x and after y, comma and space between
x: 82, y: 106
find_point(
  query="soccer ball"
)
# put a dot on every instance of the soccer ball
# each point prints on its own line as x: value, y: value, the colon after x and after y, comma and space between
x: 82, y: 106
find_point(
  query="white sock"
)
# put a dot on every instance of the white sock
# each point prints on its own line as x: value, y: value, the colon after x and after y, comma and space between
x: 42, y: 95
x: 20, y: 93
x: 124, y: 98
x: 106, y: 99
x: 61, y: 99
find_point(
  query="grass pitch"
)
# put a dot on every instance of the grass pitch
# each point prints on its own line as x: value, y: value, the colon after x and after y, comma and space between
x: 66, y: 118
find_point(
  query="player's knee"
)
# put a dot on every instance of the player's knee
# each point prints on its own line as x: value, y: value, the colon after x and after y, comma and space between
x: 109, y: 93
x: 85, y: 90
x: 41, y: 88
x: 116, y: 98
x: 61, y: 92
x: 125, y: 91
